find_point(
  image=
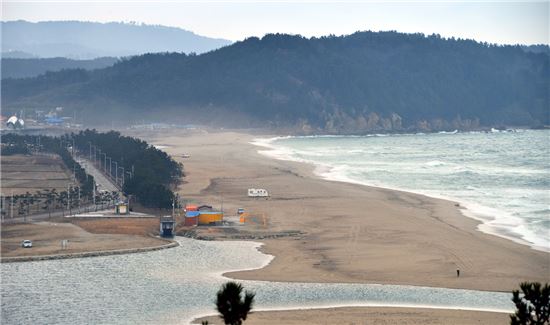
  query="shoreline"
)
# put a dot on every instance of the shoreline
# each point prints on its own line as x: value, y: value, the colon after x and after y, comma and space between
x: 349, y: 233
x: 358, y: 314
x: 324, y: 172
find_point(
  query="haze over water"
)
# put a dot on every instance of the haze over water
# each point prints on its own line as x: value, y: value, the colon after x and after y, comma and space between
x: 501, y: 178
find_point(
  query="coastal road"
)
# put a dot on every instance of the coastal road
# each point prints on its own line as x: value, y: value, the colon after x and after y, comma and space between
x: 103, y: 181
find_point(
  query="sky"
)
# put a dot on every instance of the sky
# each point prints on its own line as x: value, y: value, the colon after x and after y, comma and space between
x: 502, y: 22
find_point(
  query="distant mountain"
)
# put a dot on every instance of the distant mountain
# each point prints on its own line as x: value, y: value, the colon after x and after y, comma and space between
x: 17, y: 54
x: 88, y: 40
x: 24, y: 68
x: 365, y: 82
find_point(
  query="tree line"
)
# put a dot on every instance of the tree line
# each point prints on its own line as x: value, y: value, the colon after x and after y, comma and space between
x: 152, y: 174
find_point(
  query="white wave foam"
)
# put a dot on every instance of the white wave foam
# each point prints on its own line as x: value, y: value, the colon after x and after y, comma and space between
x: 435, y: 163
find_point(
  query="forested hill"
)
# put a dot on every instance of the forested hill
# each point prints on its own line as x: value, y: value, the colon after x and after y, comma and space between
x: 368, y: 81
x: 32, y: 67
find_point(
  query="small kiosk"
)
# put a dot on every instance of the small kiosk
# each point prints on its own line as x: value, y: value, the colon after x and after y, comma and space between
x: 167, y: 226
x: 121, y: 208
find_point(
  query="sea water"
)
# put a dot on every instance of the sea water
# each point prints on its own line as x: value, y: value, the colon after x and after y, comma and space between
x: 500, y: 177
x: 176, y: 285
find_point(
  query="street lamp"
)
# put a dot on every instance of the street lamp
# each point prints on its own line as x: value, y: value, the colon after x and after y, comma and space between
x: 116, y: 172
x: 110, y: 165
x: 104, y: 162
x: 122, y: 176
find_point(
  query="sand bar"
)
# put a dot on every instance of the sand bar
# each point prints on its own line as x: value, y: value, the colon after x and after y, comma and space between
x: 369, y: 315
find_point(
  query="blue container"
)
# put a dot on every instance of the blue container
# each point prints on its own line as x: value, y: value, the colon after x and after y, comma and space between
x: 192, y: 214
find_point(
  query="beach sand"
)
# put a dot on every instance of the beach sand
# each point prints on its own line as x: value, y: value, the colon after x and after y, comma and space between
x: 371, y: 316
x: 350, y: 233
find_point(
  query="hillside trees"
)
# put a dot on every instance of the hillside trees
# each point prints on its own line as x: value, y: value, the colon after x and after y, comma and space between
x: 346, y: 84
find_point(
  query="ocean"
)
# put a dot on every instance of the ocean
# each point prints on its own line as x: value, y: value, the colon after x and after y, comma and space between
x: 500, y: 178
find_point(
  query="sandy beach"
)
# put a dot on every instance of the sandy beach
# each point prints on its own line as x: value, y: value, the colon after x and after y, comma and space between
x: 350, y: 233
x: 371, y: 315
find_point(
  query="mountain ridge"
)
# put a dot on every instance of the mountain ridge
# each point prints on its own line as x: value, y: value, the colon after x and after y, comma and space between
x: 363, y: 82
x: 88, y: 40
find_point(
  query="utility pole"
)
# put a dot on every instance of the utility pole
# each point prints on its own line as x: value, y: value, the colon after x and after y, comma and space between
x: 116, y: 173
x: 79, y: 199
x: 110, y: 165
x: 93, y: 196
x: 99, y: 158
x: 90, y: 142
x: 11, y: 205
x: 105, y: 163
x: 69, y: 199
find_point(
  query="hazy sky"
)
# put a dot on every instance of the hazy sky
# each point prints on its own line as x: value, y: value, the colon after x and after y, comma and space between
x: 508, y: 22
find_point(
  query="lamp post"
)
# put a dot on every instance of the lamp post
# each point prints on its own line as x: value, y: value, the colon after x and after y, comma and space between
x: 104, y: 162
x: 69, y: 199
x: 116, y: 173
x: 110, y: 165
x: 122, y: 185
x: 79, y: 199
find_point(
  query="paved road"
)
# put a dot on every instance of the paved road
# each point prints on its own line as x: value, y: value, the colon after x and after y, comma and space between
x: 102, y: 181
